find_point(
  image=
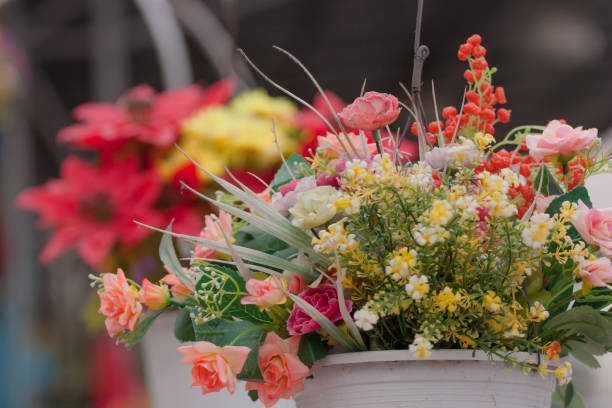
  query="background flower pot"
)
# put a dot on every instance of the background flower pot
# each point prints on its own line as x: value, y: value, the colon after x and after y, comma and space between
x: 169, y: 380
x: 447, y: 378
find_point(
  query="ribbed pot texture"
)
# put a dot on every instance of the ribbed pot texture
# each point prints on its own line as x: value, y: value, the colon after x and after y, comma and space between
x: 448, y: 378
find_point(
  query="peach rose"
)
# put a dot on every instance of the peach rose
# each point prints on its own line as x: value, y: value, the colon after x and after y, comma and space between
x: 559, y: 138
x: 178, y: 288
x: 330, y: 145
x: 282, y: 370
x: 118, y: 302
x: 597, y: 272
x: 212, y: 232
x: 370, y: 111
x: 214, y: 368
x: 265, y: 293
x: 595, y: 227
x: 153, y: 296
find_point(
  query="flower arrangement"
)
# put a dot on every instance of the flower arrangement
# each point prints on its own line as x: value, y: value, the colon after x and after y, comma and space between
x: 362, y: 248
x: 136, y: 175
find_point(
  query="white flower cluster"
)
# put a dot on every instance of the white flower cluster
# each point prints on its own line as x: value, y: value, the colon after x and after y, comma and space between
x: 537, y: 230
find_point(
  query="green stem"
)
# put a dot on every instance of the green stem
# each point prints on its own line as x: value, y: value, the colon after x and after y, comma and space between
x: 376, y: 137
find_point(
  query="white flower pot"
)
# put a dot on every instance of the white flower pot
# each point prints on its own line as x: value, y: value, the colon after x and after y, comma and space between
x: 169, y: 380
x: 447, y: 378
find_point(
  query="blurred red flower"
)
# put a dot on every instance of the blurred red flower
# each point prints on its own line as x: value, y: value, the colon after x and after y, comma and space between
x: 140, y: 114
x: 94, y: 208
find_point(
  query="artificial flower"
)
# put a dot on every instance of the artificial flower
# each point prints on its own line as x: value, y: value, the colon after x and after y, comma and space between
x: 324, y: 298
x: 119, y: 303
x: 265, y: 293
x: 95, y: 208
x: 559, y: 139
x: 153, y: 296
x: 597, y: 272
x: 214, y: 368
x: 371, y: 111
x: 336, y: 146
x: 282, y: 370
x: 314, y: 207
x: 214, y: 231
x: 595, y: 227
x: 365, y: 319
x: 140, y: 114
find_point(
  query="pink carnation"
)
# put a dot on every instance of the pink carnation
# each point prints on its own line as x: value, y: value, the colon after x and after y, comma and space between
x: 325, y: 299
x: 212, y: 232
x: 371, y: 111
x: 559, y: 138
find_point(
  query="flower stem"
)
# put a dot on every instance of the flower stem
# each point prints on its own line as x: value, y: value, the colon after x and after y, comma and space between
x: 376, y: 136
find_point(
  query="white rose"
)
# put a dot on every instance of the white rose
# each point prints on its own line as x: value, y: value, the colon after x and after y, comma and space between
x: 314, y: 207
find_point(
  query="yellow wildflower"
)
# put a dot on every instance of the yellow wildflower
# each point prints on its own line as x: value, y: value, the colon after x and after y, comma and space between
x: 537, y: 312
x: 420, y: 347
x: 492, y: 302
x: 447, y: 300
x: 483, y: 140
x: 417, y: 287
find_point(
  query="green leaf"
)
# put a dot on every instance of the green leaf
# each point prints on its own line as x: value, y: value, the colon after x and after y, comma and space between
x: 167, y: 254
x: 253, y: 395
x: 254, y: 238
x: 569, y: 394
x: 550, y: 186
x: 141, y: 329
x: 311, y: 349
x: 229, y: 332
x: 577, y: 194
x: 230, y: 293
x: 582, y: 354
x: 282, y: 176
x: 183, y: 328
x: 582, y: 320
x: 250, y: 369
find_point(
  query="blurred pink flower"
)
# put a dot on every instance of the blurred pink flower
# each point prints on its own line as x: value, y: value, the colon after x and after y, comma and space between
x: 94, y: 208
x: 559, y: 138
x: 140, y: 114
x: 118, y: 302
x: 212, y: 232
x: 214, y: 368
x: 330, y: 144
x: 325, y: 299
x: 281, y: 368
x: 371, y: 111
x: 542, y: 202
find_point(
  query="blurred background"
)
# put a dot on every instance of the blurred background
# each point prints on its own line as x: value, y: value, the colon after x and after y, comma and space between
x: 554, y: 59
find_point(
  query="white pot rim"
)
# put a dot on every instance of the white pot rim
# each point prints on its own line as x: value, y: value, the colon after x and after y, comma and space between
x: 406, y: 355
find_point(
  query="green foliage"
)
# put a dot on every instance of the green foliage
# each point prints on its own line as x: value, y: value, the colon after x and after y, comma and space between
x: 567, y: 397
x: 253, y: 395
x: 250, y: 369
x: 254, y: 238
x: 183, y: 328
x: 229, y: 294
x: 297, y: 164
x: 311, y: 349
x: 549, y: 185
x: 230, y: 333
x: 168, y: 257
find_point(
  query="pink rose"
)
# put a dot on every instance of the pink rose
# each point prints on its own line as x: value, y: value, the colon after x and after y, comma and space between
x: 542, y: 202
x: 330, y: 145
x: 212, y: 232
x: 597, y: 272
x: 281, y: 368
x: 214, y: 368
x: 325, y: 300
x: 558, y: 138
x: 370, y: 111
x: 296, y: 285
x: 153, y: 296
x: 595, y: 227
x: 177, y: 287
x: 118, y: 302
x: 265, y: 293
